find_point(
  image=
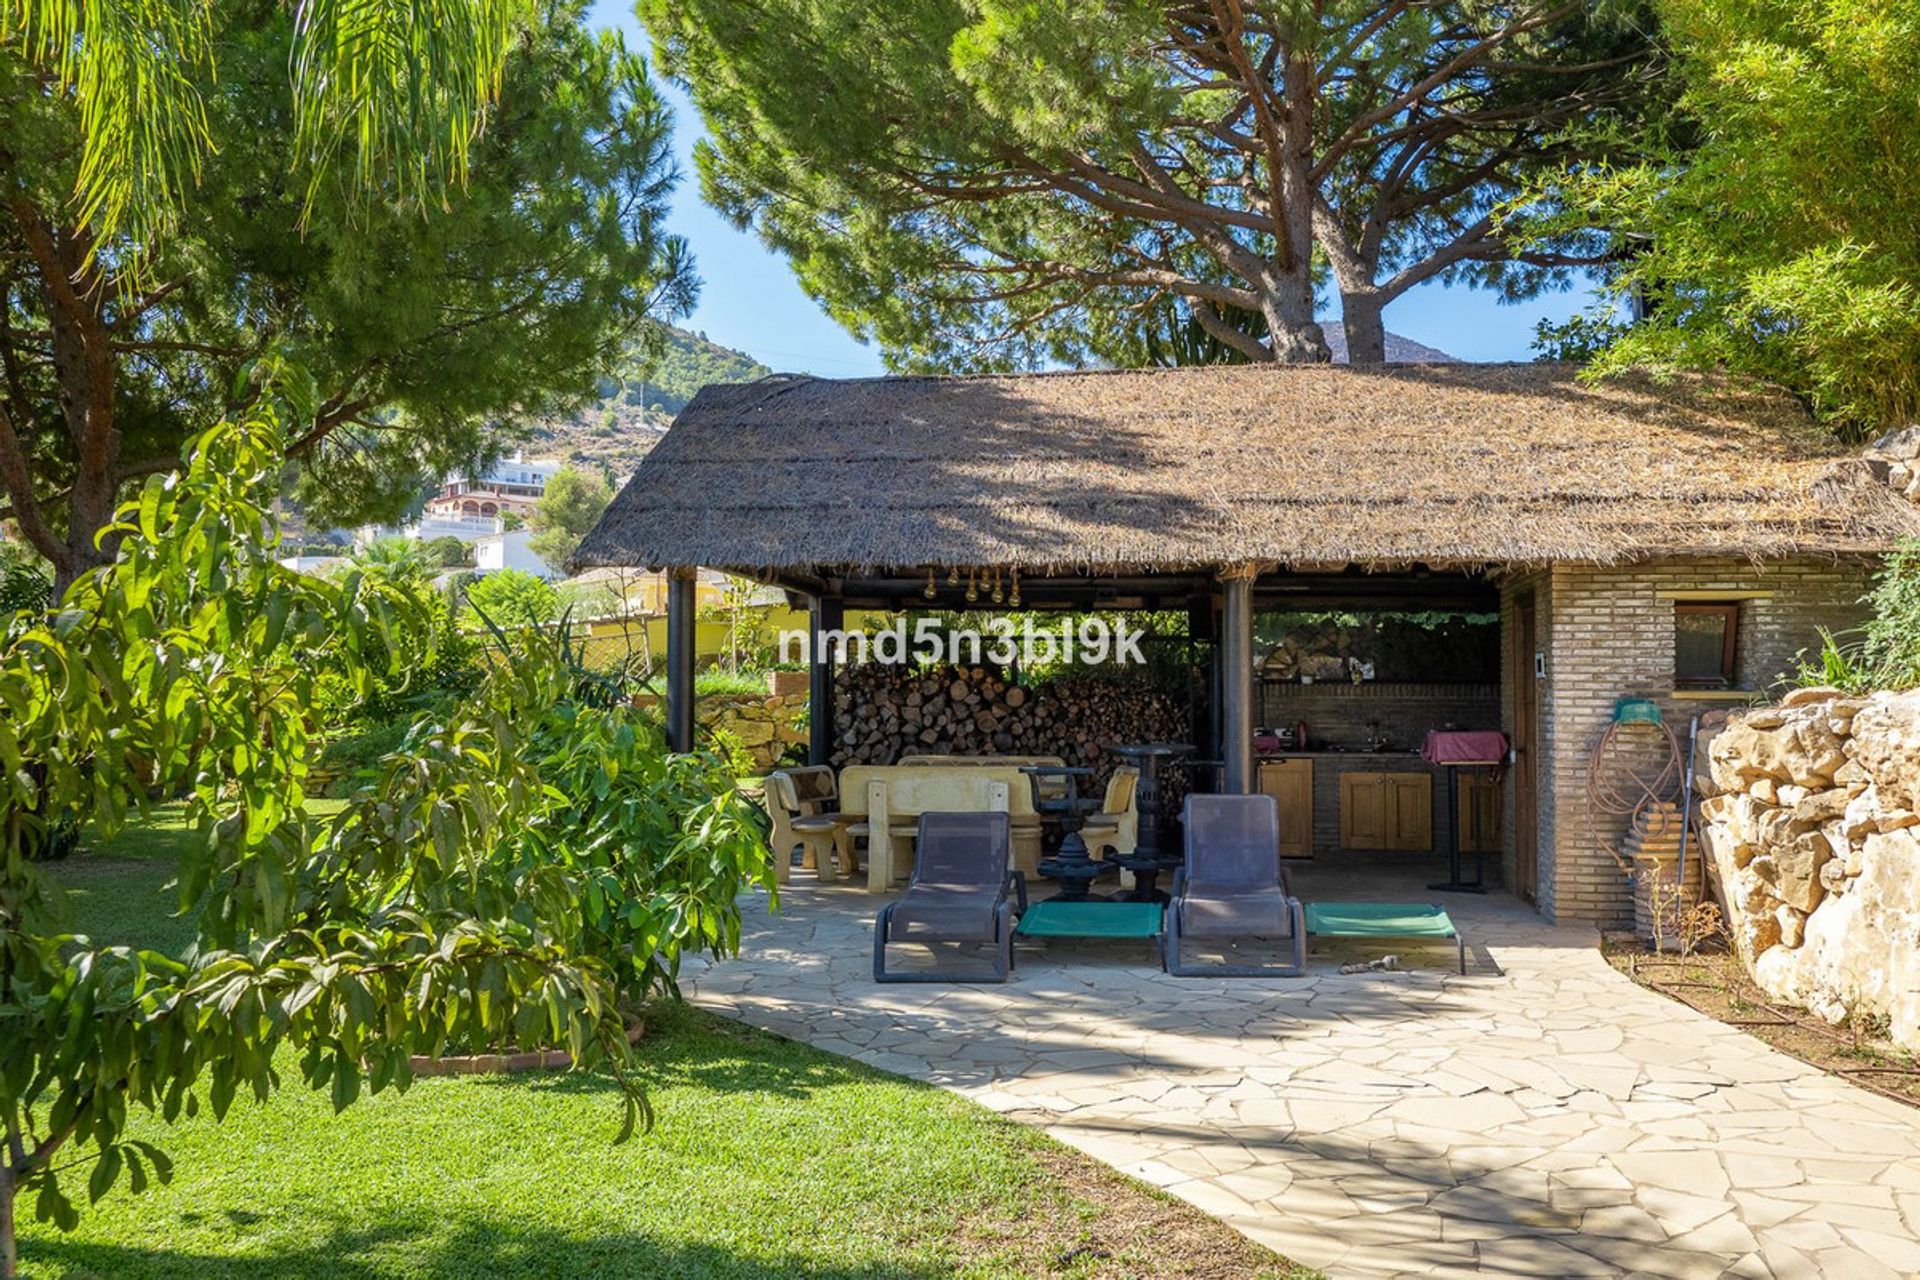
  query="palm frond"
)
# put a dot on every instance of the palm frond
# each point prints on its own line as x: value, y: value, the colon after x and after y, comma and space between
x: 134, y: 70
x: 400, y: 88
x: 403, y: 84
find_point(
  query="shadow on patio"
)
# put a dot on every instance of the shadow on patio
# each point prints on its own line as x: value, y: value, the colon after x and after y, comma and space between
x: 1540, y: 1115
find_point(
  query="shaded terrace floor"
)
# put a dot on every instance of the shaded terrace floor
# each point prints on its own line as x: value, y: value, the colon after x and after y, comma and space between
x: 1540, y: 1116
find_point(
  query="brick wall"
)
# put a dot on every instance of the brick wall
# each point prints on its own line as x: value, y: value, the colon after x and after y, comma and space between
x: 1339, y: 713
x: 1608, y: 632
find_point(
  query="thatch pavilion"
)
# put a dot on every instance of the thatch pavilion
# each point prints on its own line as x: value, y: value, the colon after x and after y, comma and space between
x: 1580, y: 513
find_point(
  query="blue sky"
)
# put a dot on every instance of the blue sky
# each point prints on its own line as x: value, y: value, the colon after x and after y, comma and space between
x: 750, y: 301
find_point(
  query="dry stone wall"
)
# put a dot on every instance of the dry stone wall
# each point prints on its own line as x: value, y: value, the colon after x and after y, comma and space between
x: 771, y: 726
x: 1813, y: 834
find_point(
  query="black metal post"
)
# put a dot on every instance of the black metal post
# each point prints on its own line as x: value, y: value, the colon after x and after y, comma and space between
x: 680, y: 645
x: 824, y: 614
x: 1453, y: 882
x: 1236, y: 684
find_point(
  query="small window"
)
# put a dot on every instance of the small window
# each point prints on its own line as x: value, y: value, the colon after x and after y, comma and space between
x: 1706, y: 640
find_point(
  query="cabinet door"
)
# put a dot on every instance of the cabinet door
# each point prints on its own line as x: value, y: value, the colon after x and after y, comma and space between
x: 1480, y: 814
x: 1410, y: 811
x: 1364, y: 822
x: 1290, y: 783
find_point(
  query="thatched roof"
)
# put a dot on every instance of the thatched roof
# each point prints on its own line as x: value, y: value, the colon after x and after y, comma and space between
x: 1456, y: 464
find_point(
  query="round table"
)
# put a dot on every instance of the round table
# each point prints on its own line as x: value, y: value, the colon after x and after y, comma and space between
x: 1070, y: 866
x: 1148, y: 859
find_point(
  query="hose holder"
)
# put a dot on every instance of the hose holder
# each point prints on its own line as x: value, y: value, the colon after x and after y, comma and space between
x: 1629, y: 710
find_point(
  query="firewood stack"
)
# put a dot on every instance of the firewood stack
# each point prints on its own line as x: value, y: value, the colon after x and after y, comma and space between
x: 1659, y: 900
x: 883, y: 712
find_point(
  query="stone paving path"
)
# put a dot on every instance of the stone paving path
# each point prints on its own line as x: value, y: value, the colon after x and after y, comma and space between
x: 1541, y: 1116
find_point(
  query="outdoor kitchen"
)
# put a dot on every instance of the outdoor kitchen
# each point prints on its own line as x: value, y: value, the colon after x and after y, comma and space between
x: 1344, y: 704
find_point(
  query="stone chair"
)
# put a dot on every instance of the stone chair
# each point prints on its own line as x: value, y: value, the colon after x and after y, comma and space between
x: 891, y: 798
x: 1115, y: 830
x: 798, y: 825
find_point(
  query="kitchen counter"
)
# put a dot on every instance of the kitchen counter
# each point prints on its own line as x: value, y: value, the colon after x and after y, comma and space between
x: 1329, y: 768
x: 1385, y: 753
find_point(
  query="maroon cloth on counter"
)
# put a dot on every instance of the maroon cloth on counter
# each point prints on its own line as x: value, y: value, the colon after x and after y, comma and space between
x: 1465, y: 746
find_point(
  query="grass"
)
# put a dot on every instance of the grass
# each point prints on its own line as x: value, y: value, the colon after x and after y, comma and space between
x: 767, y: 1159
x: 718, y: 682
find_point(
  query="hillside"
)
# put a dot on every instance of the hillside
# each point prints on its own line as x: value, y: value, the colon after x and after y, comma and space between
x: 634, y: 409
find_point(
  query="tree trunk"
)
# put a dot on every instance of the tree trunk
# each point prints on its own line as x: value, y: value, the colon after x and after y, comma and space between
x: 9, y: 1250
x: 1296, y: 339
x: 1296, y: 336
x: 1366, y: 327
x: 90, y: 509
x: 1293, y: 334
x: 80, y: 343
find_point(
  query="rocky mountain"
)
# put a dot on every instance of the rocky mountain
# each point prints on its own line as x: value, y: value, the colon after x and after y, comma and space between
x: 634, y: 407
x: 1399, y: 350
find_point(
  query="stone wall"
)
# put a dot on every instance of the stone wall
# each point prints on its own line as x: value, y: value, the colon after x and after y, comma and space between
x: 769, y: 725
x: 1608, y: 632
x: 1813, y: 830
x: 882, y: 712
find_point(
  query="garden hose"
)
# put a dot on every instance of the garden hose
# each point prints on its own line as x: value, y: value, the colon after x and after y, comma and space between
x: 1618, y: 788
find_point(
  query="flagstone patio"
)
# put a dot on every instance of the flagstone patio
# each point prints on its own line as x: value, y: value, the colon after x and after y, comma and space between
x: 1540, y: 1116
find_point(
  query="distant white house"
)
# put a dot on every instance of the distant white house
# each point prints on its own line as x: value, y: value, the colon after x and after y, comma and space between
x: 513, y: 485
x: 319, y: 565
x: 509, y: 549
x: 465, y: 528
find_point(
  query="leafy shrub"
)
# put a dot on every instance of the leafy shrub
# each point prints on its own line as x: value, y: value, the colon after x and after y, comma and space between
x: 513, y: 598
x: 732, y: 753
x: 350, y: 942
x: 427, y: 663
x: 23, y: 588
x: 1885, y: 653
x: 1892, y: 647
x: 362, y: 750
x: 663, y: 842
x: 449, y: 552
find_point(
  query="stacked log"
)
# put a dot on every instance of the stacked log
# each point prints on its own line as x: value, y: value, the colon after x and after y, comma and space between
x: 882, y: 712
x: 1660, y: 900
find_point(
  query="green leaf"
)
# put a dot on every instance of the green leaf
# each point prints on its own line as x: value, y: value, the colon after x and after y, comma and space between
x: 106, y: 1170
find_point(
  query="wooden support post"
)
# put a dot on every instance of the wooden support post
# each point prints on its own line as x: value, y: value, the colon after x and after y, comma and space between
x: 1236, y: 683
x: 680, y: 645
x: 826, y: 613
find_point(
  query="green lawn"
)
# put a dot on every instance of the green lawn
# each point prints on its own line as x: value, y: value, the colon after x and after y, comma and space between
x: 767, y: 1159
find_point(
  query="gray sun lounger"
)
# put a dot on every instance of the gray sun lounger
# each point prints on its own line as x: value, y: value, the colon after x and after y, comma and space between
x: 1233, y: 886
x: 961, y: 892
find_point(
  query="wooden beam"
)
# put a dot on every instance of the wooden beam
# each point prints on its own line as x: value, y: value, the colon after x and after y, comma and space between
x: 680, y: 649
x: 1236, y: 684
x: 826, y: 614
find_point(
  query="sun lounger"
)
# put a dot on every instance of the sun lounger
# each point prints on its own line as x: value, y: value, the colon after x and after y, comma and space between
x: 1385, y: 920
x: 1233, y: 886
x: 961, y: 892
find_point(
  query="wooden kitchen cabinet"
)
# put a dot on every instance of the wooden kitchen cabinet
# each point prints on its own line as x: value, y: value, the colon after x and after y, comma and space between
x: 1386, y: 811
x: 1290, y: 783
x: 1482, y: 805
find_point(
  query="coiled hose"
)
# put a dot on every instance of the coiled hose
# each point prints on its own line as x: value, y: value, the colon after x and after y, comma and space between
x: 1617, y: 787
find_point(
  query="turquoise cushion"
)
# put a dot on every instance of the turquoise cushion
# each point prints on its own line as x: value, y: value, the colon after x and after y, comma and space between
x: 1053, y: 919
x: 1379, y: 920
